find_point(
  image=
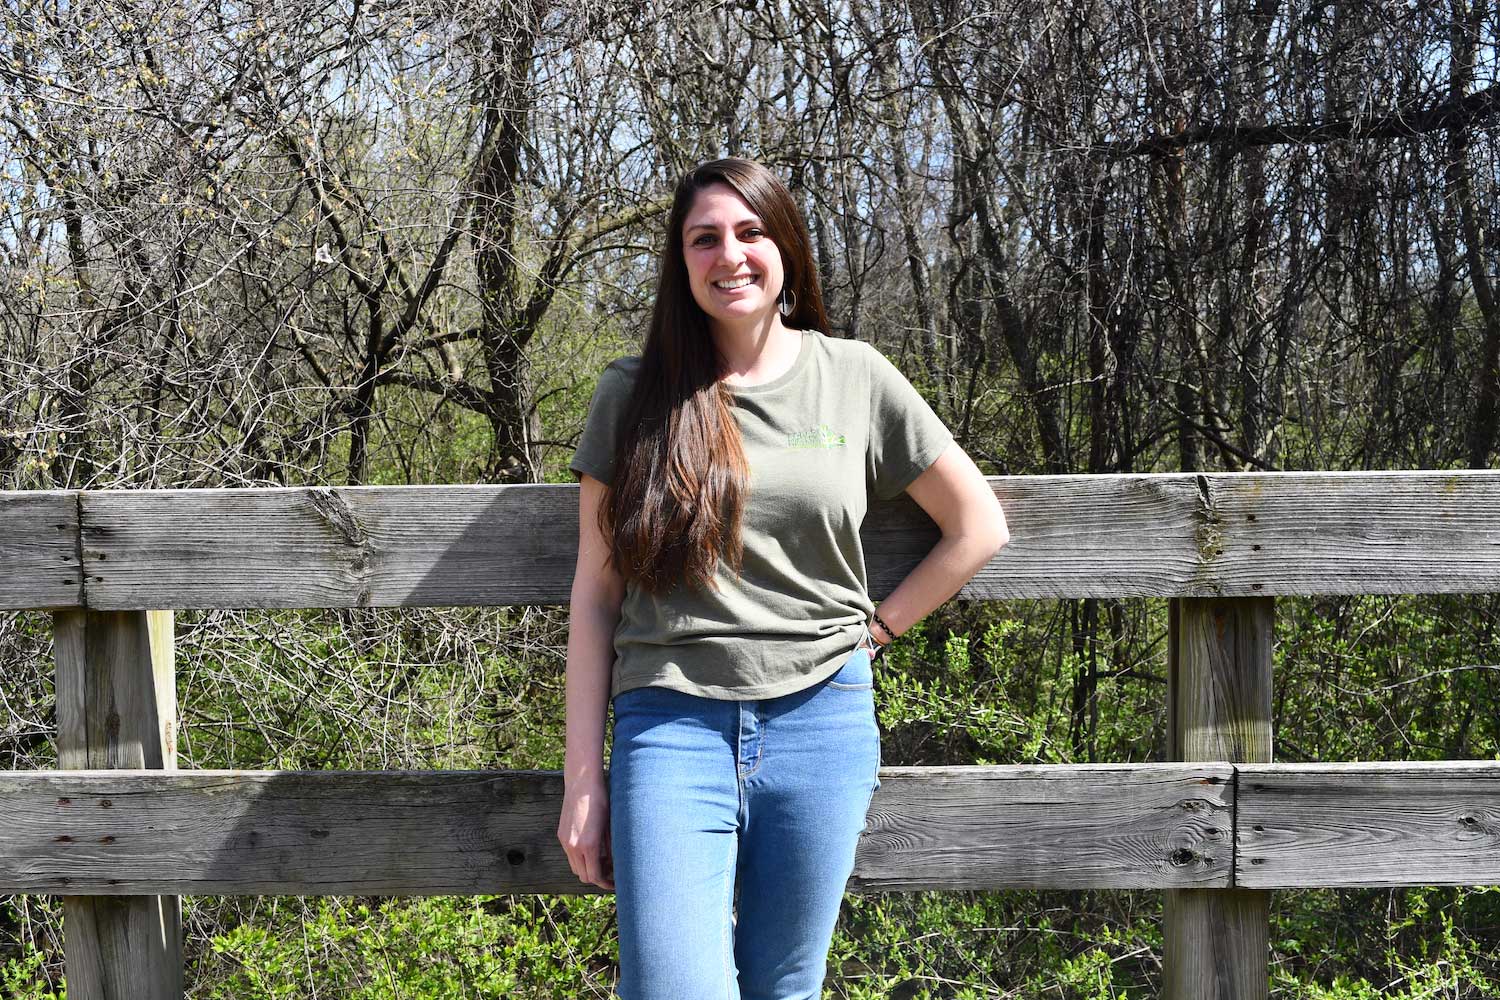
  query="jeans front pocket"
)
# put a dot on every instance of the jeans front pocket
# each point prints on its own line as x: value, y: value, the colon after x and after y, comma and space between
x: 857, y: 673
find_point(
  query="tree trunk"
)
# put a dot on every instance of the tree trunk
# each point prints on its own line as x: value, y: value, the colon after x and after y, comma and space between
x: 506, y: 96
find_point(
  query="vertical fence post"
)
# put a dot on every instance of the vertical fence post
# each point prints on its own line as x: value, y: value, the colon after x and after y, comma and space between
x: 117, y: 708
x: 1219, y: 708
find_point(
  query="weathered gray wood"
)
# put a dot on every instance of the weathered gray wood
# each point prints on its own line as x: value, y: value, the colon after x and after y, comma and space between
x: 1110, y: 826
x: 1219, y: 679
x: 437, y: 832
x: 1219, y: 705
x: 360, y: 546
x: 111, y: 689
x: 39, y: 550
x: 111, y: 713
x: 1354, y: 533
x: 1073, y: 536
x: 1216, y: 945
x: 1075, y: 827
x: 1369, y: 824
x: 120, y: 947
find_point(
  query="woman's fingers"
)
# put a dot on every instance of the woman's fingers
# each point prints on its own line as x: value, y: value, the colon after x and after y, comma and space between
x: 576, y: 851
x: 589, y: 858
x: 596, y: 863
x: 597, y: 869
x: 591, y: 865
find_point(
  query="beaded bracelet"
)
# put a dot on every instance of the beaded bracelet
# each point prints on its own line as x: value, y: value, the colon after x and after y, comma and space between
x: 879, y: 646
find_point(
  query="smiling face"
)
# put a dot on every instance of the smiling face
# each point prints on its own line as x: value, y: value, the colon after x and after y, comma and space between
x: 734, y: 269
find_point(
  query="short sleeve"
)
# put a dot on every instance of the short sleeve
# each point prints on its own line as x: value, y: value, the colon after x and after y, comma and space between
x: 906, y: 436
x: 595, y: 454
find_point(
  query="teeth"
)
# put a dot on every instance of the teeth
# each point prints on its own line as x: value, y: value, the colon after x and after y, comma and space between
x: 735, y: 282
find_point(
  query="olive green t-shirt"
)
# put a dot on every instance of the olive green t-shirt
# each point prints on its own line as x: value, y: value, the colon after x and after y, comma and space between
x: 841, y: 423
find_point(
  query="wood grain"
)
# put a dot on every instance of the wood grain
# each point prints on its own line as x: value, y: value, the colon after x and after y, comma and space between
x: 1057, y: 827
x: 114, y: 698
x: 1219, y: 679
x: 1217, y: 943
x: 360, y: 546
x: 1093, y: 826
x: 1356, y: 533
x: 1369, y: 824
x: 39, y: 550
x: 1150, y: 535
x: 123, y: 947
x: 113, y: 690
x: 436, y: 832
x: 1071, y: 536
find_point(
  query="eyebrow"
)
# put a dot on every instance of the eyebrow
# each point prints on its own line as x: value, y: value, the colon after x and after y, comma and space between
x: 704, y: 225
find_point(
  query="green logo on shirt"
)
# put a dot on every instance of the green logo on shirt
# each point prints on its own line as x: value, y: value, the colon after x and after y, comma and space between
x: 821, y: 436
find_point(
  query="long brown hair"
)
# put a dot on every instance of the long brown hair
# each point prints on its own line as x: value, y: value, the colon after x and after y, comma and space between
x: 675, y: 502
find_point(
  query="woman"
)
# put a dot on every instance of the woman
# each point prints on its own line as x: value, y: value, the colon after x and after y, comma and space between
x: 720, y: 601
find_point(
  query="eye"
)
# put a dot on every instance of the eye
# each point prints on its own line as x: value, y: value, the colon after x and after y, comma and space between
x: 702, y: 241
x: 753, y: 234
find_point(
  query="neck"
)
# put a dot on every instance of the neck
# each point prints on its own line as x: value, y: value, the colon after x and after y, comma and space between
x: 749, y: 352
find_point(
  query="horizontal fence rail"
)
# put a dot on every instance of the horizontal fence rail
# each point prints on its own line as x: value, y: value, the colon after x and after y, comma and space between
x: 1149, y: 535
x: 39, y: 557
x: 428, y: 832
x: 1116, y: 826
x: 1369, y: 824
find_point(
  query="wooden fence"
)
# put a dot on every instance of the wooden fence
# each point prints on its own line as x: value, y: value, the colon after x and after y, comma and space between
x: 121, y: 835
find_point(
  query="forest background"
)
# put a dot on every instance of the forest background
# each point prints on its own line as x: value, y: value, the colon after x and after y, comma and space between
x: 255, y: 244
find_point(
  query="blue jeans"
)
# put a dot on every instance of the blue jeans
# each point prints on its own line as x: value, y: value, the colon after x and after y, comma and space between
x: 713, y: 800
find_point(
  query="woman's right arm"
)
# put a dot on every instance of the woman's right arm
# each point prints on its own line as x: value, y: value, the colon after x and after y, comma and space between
x: 598, y: 591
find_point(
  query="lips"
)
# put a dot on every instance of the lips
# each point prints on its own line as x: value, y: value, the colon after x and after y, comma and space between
x: 736, y: 283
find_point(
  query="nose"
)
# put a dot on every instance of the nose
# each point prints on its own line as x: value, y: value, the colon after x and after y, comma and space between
x: 731, y: 251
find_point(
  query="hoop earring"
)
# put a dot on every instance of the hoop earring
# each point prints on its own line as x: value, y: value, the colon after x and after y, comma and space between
x: 787, y: 310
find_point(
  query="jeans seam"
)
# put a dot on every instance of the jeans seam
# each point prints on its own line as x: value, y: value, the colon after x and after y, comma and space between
x: 728, y: 912
x: 869, y: 801
x: 875, y: 785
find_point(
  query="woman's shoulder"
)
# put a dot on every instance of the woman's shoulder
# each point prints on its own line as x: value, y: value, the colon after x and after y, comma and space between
x: 841, y: 350
x: 625, y: 369
x: 613, y: 387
